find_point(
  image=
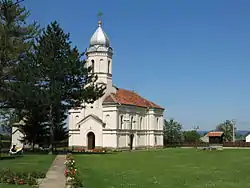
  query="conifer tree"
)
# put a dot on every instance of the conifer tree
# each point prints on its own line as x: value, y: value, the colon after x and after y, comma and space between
x: 60, y: 129
x: 63, y: 76
x: 29, y: 101
x: 16, y: 39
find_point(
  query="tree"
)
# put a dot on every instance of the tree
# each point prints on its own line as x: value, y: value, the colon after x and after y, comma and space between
x: 16, y: 39
x: 191, y: 136
x: 63, y: 76
x: 227, y: 129
x: 172, y: 132
x: 7, y: 118
x: 35, y: 127
x: 60, y: 129
x: 26, y: 96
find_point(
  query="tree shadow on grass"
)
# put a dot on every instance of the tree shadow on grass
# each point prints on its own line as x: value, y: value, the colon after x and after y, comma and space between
x: 9, y: 157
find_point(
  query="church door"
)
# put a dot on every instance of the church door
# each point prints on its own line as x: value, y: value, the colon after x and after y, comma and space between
x: 91, y: 140
x: 131, y: 136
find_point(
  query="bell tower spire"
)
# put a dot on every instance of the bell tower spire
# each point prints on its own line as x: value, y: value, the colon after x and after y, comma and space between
x: 99, y: 56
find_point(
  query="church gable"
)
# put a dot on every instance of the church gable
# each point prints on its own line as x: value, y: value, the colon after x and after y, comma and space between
x: 91, y: 117
x: 110, y: 99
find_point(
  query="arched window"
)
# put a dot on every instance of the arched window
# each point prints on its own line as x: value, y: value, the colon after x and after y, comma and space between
x: 93, y: 65
x: 131, y: 122
x: 140, y: 123
x: 101, y: 65
x: 121, y: 122
x: 109, y: 70
x: 157, y: 123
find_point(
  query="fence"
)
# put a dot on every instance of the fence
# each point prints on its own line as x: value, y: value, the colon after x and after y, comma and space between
x: 5, y: 143
x: 236, y: 144
x: 183, y: 144
x: 199, y: 144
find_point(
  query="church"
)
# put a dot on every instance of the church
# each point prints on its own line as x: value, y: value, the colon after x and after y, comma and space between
x: 121, y: 119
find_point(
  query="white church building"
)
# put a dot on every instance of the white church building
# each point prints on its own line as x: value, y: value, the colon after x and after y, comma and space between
x: 121, y: 118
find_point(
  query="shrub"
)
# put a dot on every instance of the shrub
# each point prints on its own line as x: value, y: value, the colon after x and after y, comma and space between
x: 99, y: 150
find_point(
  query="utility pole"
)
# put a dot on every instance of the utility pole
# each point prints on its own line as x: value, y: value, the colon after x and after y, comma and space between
x: 233, y: 123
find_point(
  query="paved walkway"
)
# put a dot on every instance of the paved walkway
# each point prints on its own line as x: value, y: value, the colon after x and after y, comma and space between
x: 55, y: 176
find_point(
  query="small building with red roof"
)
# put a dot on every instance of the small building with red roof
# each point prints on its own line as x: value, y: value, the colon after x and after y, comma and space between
x: 215, y: 137
x: 121, y: 118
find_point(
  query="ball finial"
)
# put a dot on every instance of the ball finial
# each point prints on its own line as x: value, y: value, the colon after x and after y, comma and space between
x: 99, y: 23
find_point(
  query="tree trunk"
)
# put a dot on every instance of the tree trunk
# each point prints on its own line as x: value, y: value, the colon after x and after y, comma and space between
x: 51, y: 140
x: 33, y: 146
x: 0, y: 145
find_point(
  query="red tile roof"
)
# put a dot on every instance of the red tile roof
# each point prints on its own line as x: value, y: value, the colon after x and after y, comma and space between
x: 211, y: 134
x: 126, y: 97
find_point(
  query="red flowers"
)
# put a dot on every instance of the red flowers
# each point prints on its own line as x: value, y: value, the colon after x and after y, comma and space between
x: 71, y: 172
x: 19, y: 178
x: 82, y: 150
x: 21, y: 182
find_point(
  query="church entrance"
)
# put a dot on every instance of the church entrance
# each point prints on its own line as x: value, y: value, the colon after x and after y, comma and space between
x: 91, y: 140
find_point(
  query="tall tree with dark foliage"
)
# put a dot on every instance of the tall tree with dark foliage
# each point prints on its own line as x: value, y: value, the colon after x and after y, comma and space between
x: 63, y: 76
x: 16, y: 39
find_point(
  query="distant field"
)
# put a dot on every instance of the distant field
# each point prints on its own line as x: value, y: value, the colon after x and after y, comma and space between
x: 169, y: 168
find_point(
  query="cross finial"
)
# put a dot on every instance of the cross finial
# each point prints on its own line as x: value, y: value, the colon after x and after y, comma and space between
x: 99, y: 15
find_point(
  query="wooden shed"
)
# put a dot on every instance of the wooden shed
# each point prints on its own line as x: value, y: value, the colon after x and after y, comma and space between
x: 215, y: 137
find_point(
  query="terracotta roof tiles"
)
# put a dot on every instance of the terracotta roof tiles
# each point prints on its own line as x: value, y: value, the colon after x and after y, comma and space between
x: 126, y: 97
x: 212, y: 134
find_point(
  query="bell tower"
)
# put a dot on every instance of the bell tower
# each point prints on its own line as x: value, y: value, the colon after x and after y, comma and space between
x: 99, y: 57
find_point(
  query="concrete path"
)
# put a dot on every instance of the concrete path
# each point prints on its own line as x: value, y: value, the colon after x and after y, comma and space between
x: 55, y: 176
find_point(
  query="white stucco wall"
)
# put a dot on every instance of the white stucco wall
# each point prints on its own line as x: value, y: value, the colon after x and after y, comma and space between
x: 122, y: 140
x: 248, y: 138
x: 16, y: 136
x: 79, y: 137
x: 147, y: 127
x: 102, y: 67
x: 142, y: 140
x: 109, y: 139
x: 110, y: 116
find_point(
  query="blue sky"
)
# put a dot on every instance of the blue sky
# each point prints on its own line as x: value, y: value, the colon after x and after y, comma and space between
x: 191, y: 57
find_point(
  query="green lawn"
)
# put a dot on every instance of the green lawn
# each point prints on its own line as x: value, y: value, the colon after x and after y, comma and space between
x: 169, y: 168
x: 14, y: 186
x: 27, y: 163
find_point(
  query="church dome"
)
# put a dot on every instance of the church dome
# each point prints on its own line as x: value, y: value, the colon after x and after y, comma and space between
x: 99, y: 37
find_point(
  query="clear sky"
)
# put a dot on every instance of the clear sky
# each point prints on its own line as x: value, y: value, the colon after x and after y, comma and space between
x: 191, y: 57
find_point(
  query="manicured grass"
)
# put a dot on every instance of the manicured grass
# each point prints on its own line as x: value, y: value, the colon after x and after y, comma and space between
x: 27, y: 163
x: 14, y: 186
x: 169, y: 168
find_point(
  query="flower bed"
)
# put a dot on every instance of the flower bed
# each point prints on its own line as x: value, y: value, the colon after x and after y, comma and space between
x: 71, y: 173
x: 82, y: 150
x: 101, y: 150
x: 20, y: 178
